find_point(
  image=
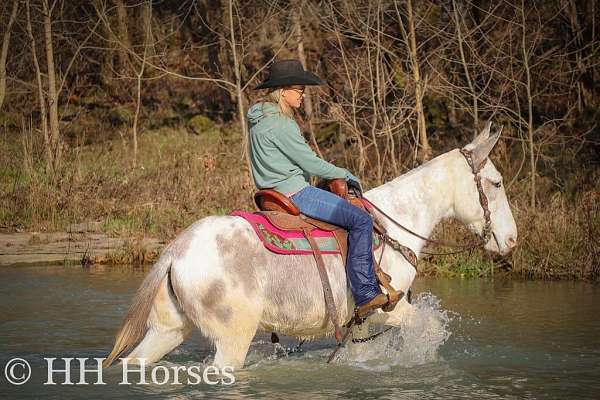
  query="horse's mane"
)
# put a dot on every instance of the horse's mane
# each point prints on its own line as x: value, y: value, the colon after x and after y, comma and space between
x: 428, y: 164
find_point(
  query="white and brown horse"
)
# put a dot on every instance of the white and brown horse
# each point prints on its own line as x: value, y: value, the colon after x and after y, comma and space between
x: 217, y: 275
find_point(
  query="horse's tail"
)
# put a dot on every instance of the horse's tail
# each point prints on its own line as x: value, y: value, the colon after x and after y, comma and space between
x: 134, y: 325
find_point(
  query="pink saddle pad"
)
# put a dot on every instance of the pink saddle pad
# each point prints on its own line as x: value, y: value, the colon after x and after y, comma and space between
x: 291, y: 242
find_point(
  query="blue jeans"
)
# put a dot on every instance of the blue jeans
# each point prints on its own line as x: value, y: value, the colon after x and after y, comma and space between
x: 328, y: 207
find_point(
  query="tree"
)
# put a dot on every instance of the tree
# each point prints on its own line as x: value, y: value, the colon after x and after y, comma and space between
x: 411, y: 44
x: 4, y: 51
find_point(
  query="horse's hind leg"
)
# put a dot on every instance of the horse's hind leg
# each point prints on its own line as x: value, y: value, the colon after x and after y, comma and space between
x: 231, y: 327
x: 168, y: 327
x: 226, y: 315
x: 232, y: 350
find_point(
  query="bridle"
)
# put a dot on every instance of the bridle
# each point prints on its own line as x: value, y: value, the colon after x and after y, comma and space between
x: 486, y: 232
x: 484, y: 236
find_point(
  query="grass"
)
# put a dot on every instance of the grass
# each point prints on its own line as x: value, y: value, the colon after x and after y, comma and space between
x: 557, y: 240
x: 464, y: 266
x: 561, y: 238
x: 181, y: 177
x: 132, y: 253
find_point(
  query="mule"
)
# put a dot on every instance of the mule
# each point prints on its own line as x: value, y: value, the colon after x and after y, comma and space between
x: 218, y: 276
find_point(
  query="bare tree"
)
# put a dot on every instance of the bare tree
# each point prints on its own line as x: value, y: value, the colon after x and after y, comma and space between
x: 308, y: 103
x: 148, y: 44
x: 584, y: 94
x: 458, y: 22
x: 146, y: 11
x: 123, y: 36
x: 411, y: 44
x: 41, y: 94
x: 395, y: 70
x: 526, y: 55
x: 238, y: 82
x: 55, y: 139
x: 4, y: 53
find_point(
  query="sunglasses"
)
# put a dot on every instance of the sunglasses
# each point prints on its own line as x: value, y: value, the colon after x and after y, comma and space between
x: 299, y: 91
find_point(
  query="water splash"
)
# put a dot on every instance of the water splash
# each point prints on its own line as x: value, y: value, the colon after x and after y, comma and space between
x: 415, y: 342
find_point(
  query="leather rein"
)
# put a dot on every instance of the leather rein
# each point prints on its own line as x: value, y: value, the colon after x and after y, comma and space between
x: 486, y: 232
x: 410, y: 255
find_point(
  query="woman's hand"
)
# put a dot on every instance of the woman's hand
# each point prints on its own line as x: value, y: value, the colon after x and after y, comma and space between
x: 353, y: 183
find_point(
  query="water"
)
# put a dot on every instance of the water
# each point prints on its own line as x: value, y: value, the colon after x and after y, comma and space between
x: 468, y: 339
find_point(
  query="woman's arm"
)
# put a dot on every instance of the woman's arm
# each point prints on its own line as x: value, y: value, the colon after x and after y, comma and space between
x: 291, y: 143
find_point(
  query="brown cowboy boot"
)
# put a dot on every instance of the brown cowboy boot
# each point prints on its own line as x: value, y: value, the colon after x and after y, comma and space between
x: 376, y: 302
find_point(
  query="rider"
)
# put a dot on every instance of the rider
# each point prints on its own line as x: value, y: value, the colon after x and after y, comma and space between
x: 282, y: 160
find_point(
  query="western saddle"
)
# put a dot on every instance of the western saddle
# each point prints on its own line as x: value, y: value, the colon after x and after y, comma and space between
x: 285, y: 215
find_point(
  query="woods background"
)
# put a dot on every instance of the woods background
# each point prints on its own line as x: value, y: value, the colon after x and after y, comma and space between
x: 132, y: 113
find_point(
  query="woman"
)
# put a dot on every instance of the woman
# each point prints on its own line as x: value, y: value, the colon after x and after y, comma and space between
x: 282, y: 160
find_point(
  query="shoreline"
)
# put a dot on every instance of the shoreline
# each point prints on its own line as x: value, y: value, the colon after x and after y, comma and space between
x: 75, y: 247
x: 85, y: 248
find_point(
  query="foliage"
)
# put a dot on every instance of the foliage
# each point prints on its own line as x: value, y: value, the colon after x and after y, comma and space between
x: 528, y: 67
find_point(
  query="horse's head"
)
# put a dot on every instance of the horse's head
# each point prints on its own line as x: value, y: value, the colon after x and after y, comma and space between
x: 467, y: 205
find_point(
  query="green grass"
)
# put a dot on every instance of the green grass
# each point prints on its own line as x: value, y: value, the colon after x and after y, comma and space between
x: 465, y: 266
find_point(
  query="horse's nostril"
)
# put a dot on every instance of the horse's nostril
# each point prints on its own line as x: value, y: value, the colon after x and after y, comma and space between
x: 511, y: 242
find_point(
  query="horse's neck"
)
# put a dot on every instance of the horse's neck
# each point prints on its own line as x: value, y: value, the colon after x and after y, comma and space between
x: 418, y: 200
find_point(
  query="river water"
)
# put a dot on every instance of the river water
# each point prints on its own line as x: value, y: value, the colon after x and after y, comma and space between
x: 489, y: 339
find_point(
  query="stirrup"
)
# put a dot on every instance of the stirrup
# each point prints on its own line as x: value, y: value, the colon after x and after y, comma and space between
x: 394, y: 296
x: 393, y: 299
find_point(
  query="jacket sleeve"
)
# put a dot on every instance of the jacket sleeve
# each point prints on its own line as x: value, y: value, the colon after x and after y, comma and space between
x: 291, y: 143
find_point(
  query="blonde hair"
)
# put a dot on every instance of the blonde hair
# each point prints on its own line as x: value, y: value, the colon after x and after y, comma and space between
x: 284, y: 108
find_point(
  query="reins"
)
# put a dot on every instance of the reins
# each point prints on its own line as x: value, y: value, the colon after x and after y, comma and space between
x: 483, y: 201
x: 410, y: 255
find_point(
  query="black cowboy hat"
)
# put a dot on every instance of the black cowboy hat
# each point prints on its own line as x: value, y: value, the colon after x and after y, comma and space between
x: 287, y: 73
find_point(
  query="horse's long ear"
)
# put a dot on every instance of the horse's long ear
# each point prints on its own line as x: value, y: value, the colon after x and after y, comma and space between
x: 483, y: 149
x: 483, y: 135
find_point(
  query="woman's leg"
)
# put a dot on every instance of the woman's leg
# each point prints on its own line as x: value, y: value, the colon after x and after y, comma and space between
x: 326, y: 206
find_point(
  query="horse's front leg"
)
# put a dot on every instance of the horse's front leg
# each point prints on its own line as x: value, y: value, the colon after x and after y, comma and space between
x: 426, y: 322
x: 401, y: 312
x: 399, y: 315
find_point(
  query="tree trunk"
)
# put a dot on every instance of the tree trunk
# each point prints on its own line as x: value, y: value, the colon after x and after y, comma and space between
x: 308, y: 104
x: 458, y: 20
x: 238, y: 88
x: 373, y: 79
x: 204, y: 31
x: 41, y: 97
x: 585, y: 97
x: 107, y: 65
x: 123, y: 32
x: 147, y: 27
x: 425, y: 150
x: 4, y: 54
x: 52, y: 93
x: 529, y: 106
x: 148, y: 44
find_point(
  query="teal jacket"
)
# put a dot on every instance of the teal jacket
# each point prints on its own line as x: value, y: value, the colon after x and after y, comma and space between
x: 279, y: 155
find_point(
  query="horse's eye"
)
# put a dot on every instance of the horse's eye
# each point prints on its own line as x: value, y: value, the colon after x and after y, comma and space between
x: 497, y: 184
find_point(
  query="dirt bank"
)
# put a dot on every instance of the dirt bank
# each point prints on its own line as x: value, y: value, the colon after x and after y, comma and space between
x: 83, y: 244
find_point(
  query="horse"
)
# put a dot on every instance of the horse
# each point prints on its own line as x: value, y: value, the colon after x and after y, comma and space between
x: 218, y: 276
